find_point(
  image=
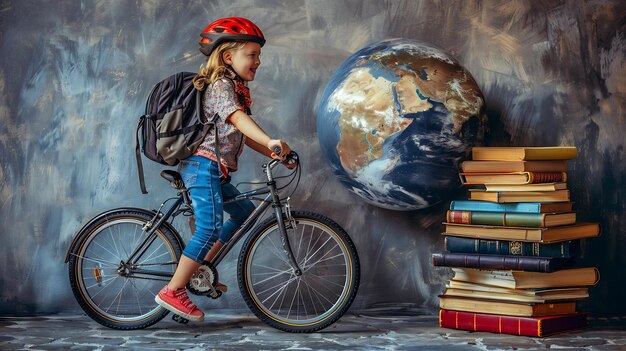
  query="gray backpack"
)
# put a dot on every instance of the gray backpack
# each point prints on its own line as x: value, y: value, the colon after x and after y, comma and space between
x: 173, y: 125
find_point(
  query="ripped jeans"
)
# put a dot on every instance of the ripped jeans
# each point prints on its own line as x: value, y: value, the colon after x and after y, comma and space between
x: 201, y: 177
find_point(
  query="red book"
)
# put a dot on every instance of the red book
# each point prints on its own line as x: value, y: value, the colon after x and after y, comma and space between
x: 528, y: 326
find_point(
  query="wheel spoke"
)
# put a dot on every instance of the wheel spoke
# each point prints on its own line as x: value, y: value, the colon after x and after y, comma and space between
x: 315, y: 253
x: 105, y: 286
x: 323, y: 259
x: 308, y: 288
x: 282, y: 286
x: 293, y: 298
x: 272, y: 277
x: 328, y: 281
x: 283, y: 293
x: 132, y: 282
x: 100, y: 283
x: 310, y: 248
x: 322, y: 295
x: 107, y: 250
x: 279, y: 253
x: 136, y: 241
x: 112, y: 237
x: 110, y: 264
x: 118, y: 297
x: 153, y: 252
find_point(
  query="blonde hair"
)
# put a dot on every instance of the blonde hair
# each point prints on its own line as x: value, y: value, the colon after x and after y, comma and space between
x: 215, y: 66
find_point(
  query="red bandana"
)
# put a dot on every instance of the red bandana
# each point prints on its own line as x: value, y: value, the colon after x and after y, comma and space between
x: 241, y: 89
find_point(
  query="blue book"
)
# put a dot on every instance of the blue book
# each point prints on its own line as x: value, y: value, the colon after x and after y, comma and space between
x: 516, y: 207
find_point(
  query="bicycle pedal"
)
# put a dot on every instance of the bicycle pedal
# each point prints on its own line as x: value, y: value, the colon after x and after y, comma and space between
x: 215, y: 295
x: 180, y: 319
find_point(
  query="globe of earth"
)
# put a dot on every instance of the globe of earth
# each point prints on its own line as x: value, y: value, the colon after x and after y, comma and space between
x: 396, y: 120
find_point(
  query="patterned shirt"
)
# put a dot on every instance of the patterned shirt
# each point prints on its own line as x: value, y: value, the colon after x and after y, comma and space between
x: 223, y: 97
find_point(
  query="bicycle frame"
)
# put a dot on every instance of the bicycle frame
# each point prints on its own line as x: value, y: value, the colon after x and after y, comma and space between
x: 272, y: 198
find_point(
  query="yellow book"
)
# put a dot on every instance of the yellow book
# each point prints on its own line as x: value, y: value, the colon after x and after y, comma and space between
x: 465, y: 289
x: 529, y: 280
x: 526, y: 187
x: 513, y: 166
x: 524, y: 153
x: 519, y: 196
x: 519, y: 309
x: 540, y: 235
x: 513, y: 178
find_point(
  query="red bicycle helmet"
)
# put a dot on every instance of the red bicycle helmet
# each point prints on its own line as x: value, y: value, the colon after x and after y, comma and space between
x: 229, y: 29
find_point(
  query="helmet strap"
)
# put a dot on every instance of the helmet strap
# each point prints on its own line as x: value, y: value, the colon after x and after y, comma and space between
x: 235, y: 72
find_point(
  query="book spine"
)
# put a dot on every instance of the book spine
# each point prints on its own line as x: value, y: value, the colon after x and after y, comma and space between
x: 508, y: 197
x: 547, y: 177
x: 565, y: 249
x: 502, y: 324
x: 484, y: 206
x: 499, y: 262
x: 496, y: 218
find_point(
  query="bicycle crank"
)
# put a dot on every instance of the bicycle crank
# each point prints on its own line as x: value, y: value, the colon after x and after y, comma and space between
x: 204, y: 280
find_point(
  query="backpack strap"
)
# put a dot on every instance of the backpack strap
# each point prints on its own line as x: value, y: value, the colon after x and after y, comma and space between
x: 212, y: 125
x: 142, y: 181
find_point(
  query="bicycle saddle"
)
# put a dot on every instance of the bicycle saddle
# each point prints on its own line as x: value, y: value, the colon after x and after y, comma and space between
x: 171, y: 176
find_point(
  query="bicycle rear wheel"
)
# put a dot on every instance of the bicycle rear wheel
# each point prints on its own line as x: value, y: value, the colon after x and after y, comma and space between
x: 306, y: 303
x: 110, y: 292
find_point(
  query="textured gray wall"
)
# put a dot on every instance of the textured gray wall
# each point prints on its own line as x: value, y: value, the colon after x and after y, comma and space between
x: 75, y: 74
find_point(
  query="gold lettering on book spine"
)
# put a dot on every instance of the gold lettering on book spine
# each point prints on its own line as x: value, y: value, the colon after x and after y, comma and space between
x: 515, y: 248
x: 535, y: 249
x: 466, y: 217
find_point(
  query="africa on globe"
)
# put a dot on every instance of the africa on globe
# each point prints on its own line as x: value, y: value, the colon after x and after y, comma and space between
x: 395, y: 121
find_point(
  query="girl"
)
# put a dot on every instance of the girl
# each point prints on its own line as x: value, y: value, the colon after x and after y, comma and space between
x: 233, y: 46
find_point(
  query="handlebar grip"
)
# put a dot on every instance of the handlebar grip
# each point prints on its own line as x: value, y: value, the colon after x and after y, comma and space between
x: 290, y: 158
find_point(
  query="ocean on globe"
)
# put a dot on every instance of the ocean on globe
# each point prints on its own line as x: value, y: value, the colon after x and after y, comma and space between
x: 396, y: 120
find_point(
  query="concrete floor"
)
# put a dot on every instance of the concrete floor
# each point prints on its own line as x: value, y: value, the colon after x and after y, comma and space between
x: 222, y: 330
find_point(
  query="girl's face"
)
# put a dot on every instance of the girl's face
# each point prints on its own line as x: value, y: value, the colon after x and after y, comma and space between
x: 245, y: 61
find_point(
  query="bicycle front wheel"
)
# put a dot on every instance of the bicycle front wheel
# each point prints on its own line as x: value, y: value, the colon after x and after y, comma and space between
x: 313, y: 300
x: 112, y: 291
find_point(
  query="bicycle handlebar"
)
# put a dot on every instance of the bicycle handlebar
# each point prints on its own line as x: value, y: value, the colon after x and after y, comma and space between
x: 290, y: 158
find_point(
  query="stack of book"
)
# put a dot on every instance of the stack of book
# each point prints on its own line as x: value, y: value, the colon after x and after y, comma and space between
x: 512, y: 245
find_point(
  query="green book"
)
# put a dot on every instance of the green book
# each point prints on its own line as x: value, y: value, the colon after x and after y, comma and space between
x: 535, y: 220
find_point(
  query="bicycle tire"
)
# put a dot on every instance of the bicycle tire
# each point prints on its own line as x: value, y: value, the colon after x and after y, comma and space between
x: 115, y: 228
x: 256, y: 273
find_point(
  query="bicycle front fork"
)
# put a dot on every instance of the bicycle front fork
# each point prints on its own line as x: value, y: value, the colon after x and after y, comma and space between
x: 285, y: 239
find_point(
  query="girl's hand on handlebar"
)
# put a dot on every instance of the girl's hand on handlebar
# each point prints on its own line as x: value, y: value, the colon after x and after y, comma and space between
x: 279, y: 148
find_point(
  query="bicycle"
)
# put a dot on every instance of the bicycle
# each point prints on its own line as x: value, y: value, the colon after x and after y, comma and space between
x: 298, y: 271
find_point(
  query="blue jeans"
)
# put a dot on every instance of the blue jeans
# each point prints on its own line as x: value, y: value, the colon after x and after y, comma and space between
x: 201, y: 177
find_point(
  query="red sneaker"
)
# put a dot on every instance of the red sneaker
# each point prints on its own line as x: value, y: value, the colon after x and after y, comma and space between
x: 178, y: 302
